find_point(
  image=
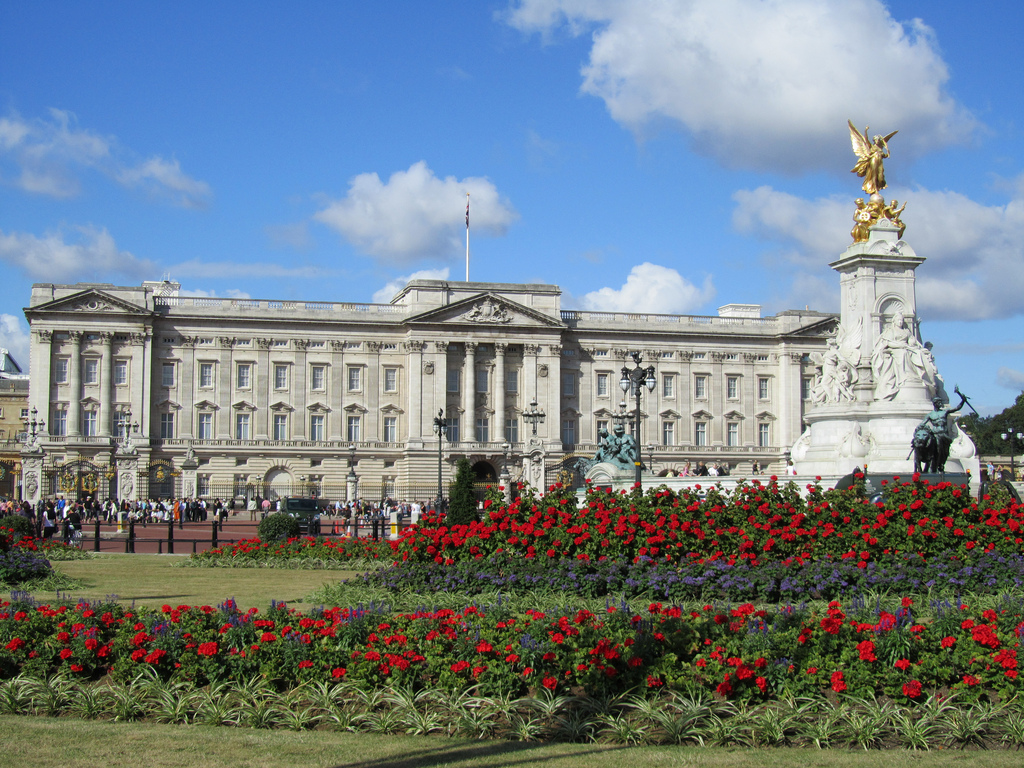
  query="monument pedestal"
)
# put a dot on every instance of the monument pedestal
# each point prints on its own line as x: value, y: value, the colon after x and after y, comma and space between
x: 877, y: 380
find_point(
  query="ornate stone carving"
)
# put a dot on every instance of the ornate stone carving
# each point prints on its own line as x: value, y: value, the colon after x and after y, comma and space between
x: 542, y: 370
x: 897, y: 359
x: 188, y: 341
x: 91, y: 304
x: 441, y: 346
x: 106, y: 337
x: 75, y: 337
x: 500, y: 348
x: 264, y: 343
x: 836, y: 367
x: 136, y: 339
x: 31, y: 484
x: 470, y: 346
x: 531, y: 349
x: 489, y: 311
x: 428, y: 368
x: 337, y: 346
x: 45, y: 337
x: 125, y: 485
x: 415, y: 345
x: 374, y: 346
x: 226, y: 341
x: 302, y: 344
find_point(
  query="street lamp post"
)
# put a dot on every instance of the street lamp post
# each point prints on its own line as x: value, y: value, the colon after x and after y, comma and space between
x: 506, y: 478
x: 634, y: 380
x: 34, y: 427
x: 534, y: 415
x: 441, y: 430
x: 1013, y: 435
x: 351, y: 481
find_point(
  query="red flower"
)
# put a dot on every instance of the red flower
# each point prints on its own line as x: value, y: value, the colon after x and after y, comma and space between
x: 207, y: 649
x: 550, y: 683
x: 338, y: 672
x: 16, y: 644
x: 912, y: 689
x: 948, y: 642
x: 65, y: 654
x: 838, y: 684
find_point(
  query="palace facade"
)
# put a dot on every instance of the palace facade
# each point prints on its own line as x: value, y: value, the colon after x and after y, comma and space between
x: 150, y: 393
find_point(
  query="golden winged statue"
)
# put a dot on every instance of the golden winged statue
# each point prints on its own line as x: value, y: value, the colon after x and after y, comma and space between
x: 870, y: 154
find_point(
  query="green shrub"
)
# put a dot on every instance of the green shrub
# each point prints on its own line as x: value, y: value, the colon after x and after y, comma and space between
x: 278, y: 526
x: 462, y: 505
x: 21, y: 526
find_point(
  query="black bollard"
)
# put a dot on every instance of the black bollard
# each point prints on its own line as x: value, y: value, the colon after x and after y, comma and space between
x: 375, y: 529
x: 213, y: 541
x: 129, y: 544
x: 96, y: 535
x: 170, y: 536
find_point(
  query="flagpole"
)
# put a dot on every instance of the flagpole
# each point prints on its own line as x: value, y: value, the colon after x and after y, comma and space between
x: 467, y: 237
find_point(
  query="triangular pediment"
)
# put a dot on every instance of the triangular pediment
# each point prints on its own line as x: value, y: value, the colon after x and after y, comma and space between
x: 317, y: 407
x: 391, y: 409
x: 765, y: 416
x: 91, y: 301
x: 168, y: 405
x: 486, y: 310
x: 702, y: 415
x: 354, y: 408
x: 668, y: 413
x: 734, y: 416
x: 243, y: 405
x: 825, y: 327
x: 280, y: 407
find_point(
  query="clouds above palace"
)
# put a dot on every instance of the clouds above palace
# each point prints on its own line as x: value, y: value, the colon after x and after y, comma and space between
x: 14, y: 337
x: 385, y: 294
x: 70, y: 255
x: 974, y: 252
x: 761, y: 84
x: 48, y: 156
x: 415, y: 215
x: 652, y: 288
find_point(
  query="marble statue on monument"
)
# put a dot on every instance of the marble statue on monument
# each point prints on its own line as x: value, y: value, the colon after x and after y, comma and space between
x: 877, y: 382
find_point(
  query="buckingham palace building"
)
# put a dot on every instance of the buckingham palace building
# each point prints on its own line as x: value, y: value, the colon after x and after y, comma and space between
x: 143, y: 392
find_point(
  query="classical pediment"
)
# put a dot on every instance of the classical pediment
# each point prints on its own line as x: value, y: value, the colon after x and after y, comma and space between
x: 281, y: 407
x: 702, y: 415
x: 486, y: 310
x: 765, y: 416
x: 734, y: 416
x: 668, y: 413
x: 92, y: 301
x: 206, y: 405
x: 168, y: 405
x: 317, y: 408
x: 391, y: 409
x: 243, y: 405
x: 824, y: 327
x: 354, y: 408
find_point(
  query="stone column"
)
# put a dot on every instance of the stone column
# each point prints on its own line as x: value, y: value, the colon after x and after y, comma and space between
x: 187, y: 386
x: 498, y: 435
x: 300, y: 391
x: 469, y: 394
x: 40, y: 366
x: 106, y: 384
x: 226, y: 416
x: 414, y: 379
x: 336, y: 398
x: 75, y: 385
x: 262, y: 384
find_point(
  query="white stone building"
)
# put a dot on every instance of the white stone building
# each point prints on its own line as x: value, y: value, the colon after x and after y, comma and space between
x: 264, y: 397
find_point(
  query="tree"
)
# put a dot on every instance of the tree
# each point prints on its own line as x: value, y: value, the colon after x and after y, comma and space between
x: 986, y: 431
x: 462, y: 504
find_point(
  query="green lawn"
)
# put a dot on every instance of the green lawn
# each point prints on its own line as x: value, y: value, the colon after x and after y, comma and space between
x: 42, y: 741
x: 154, y: 580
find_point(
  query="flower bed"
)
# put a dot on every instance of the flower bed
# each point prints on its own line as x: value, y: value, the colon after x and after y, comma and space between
x: 315, y: 552
x: 756, y: 523
x: 739, y: 652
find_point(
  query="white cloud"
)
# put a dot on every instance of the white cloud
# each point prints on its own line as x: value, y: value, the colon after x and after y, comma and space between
x: 45, y: 156
x: 974, y: 252
x: 1011, y: 379
x: 14, y: 338
x: 385, y: 294
x: 161, y: 176
x: 415, y: 214
x: 652, y: 288
x: 85, y: 254
x: 765, y: 84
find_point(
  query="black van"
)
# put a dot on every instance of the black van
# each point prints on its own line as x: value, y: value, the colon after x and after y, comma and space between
x: 306, y: 511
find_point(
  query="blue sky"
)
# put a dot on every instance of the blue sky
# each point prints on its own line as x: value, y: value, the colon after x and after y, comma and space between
x: 665, y: 156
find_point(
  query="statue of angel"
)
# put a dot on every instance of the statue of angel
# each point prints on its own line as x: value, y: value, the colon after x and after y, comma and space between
x: 870, y: 154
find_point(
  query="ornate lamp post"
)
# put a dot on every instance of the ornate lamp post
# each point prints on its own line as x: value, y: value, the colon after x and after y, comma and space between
x: 634, y: 380
x: 534, y: 415
x: 506, y: 478
x: 125, y: 429
x: 1014, y: 435
x: 351, y: 482
x: 34, y: 426
x: 441, y: 430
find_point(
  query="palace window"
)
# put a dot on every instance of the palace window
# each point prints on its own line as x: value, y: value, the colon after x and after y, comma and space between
x: 280, y: 376
x: 668, y: 433
x: 700, y: 433
x: 206, y: 375
x: 390, y: 379
x: 732, y: 433
x: 353, y: 429
x: 205, y: 426
x: 243, y: 380
x: 316, y: 427
x: 241, y: 426
x: 166, y: 426
x: 700, y: 386
x: 120, y: 372
x: 512, y: 430
x: 60, y: 370
x: 668, y: 385
x: 280, y: 426
x: 318, y: 378
x: 732, y: 387
x: 602, y: 385
x: 354, y: 378
x: 167, y: 374
x: 764, y: 439
x: 91, y: 371
x: 390, y: 429
x: 763, y: 387
x: 483, y: 430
